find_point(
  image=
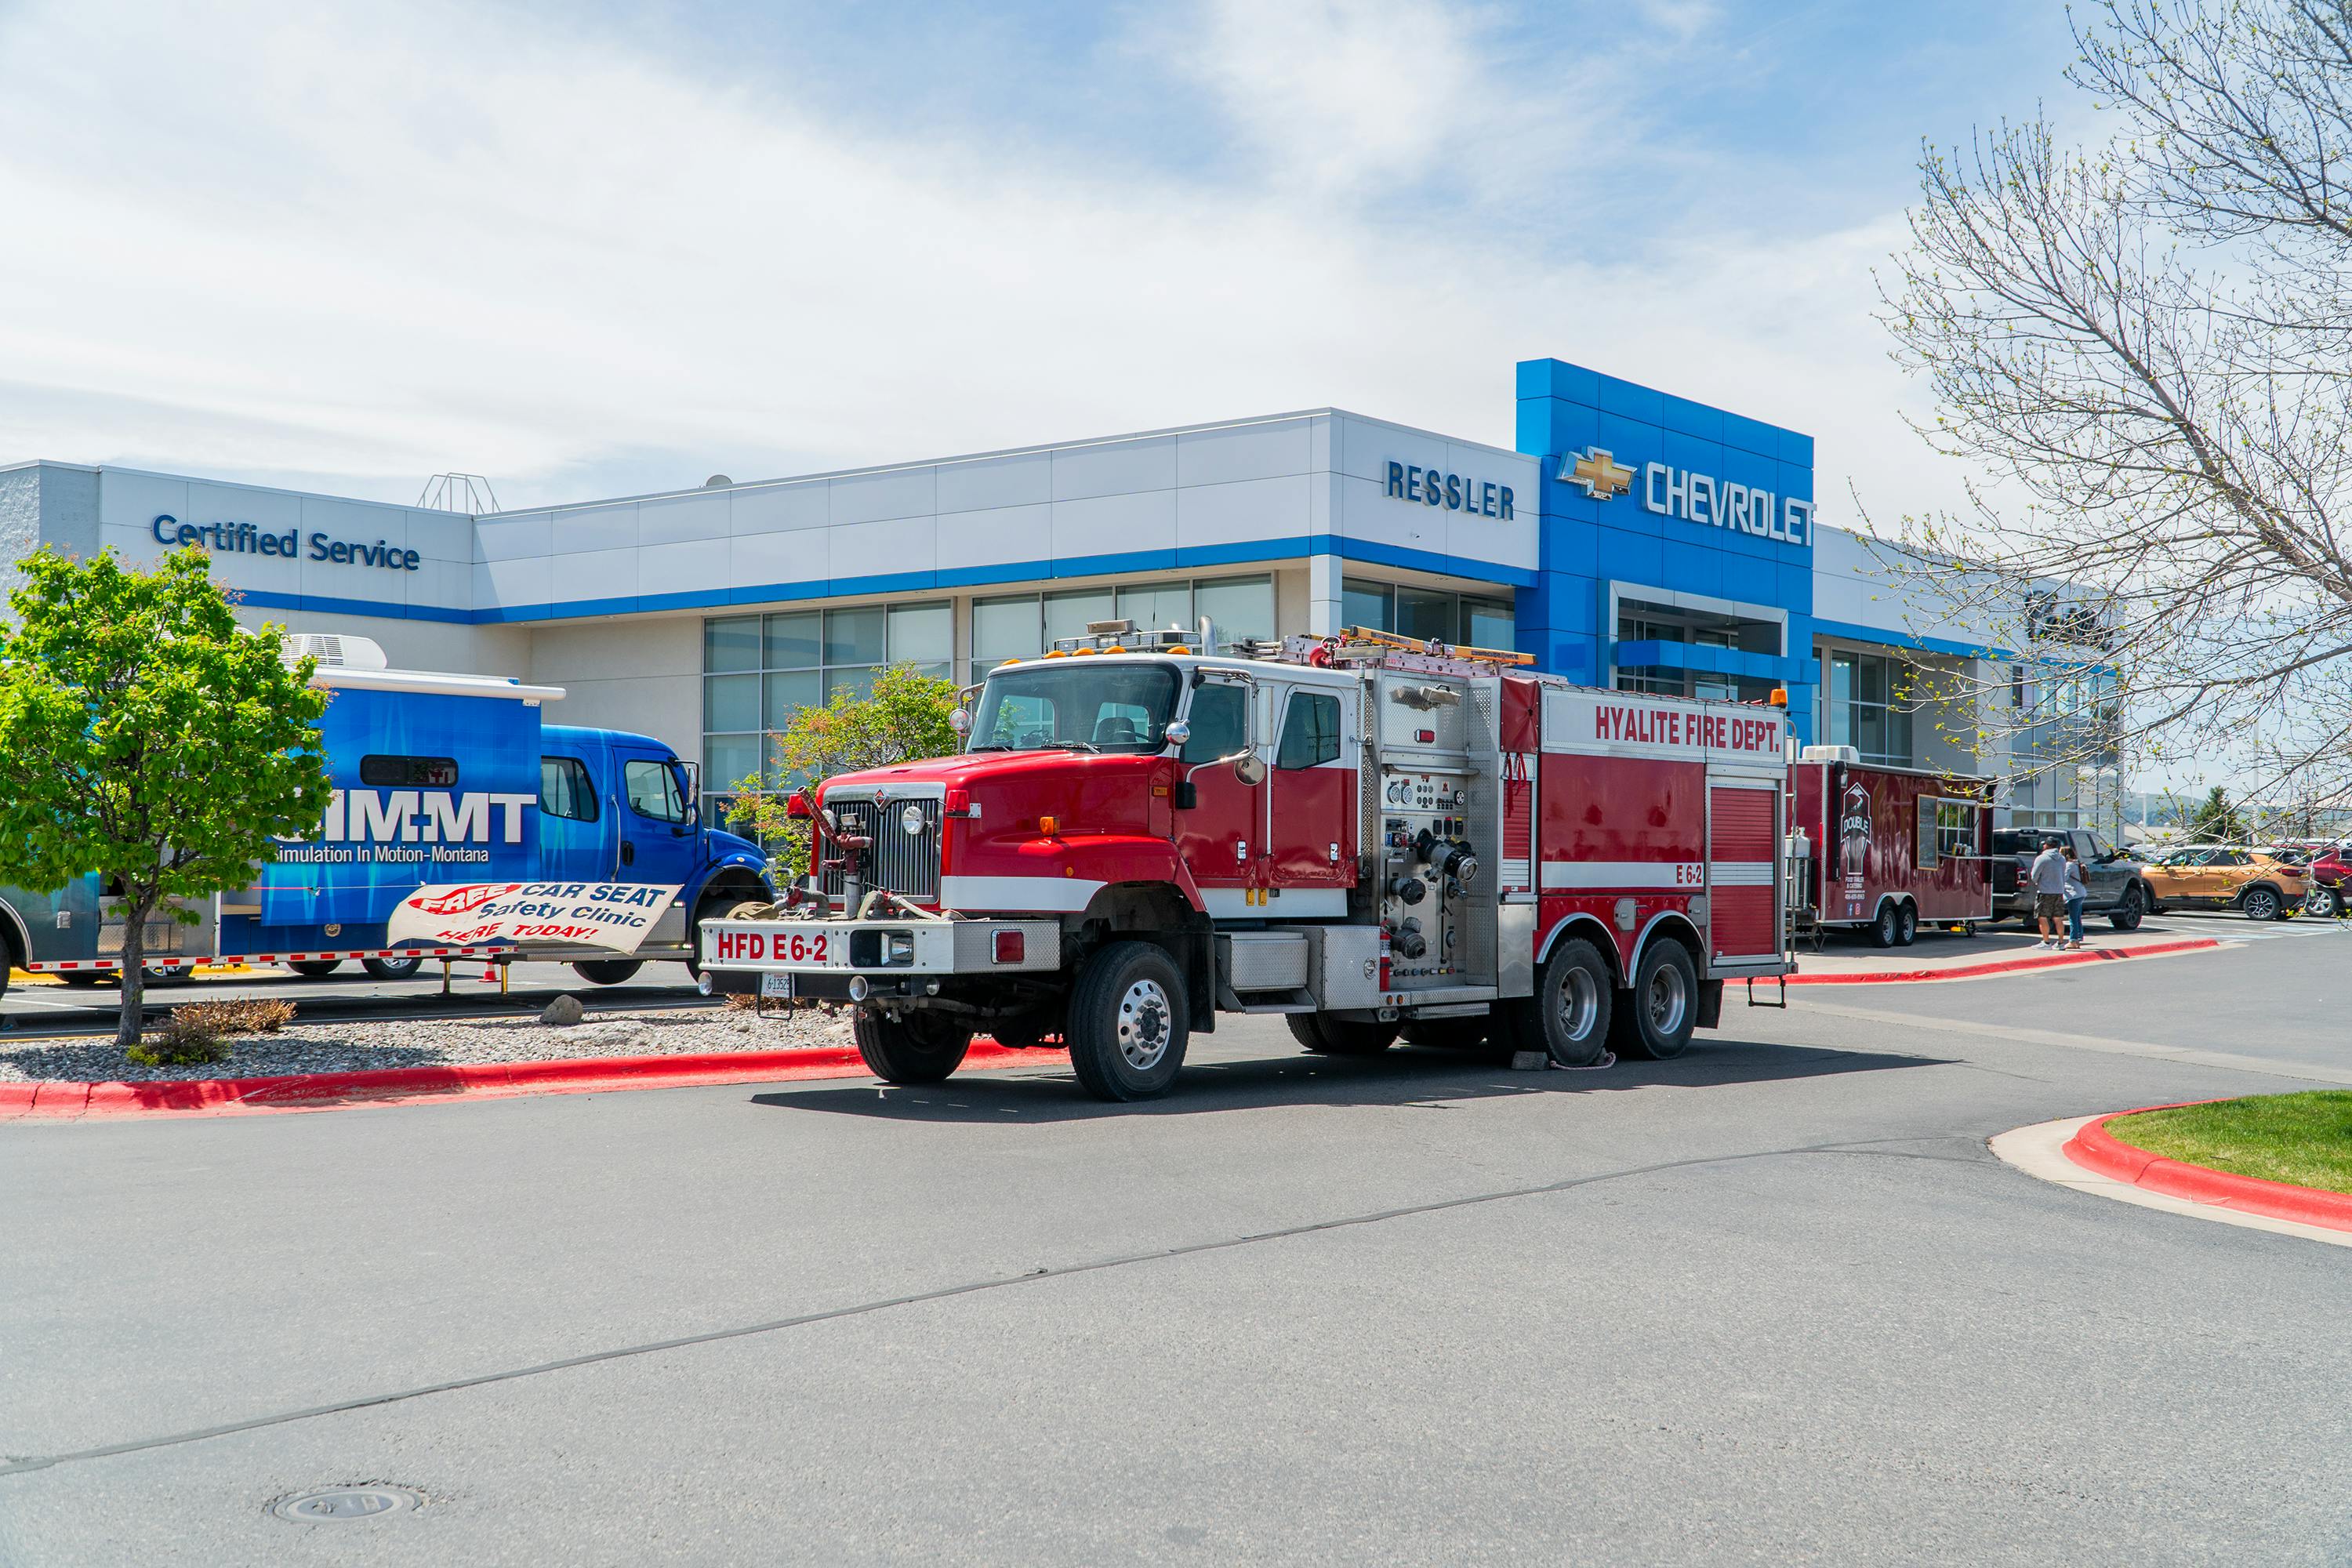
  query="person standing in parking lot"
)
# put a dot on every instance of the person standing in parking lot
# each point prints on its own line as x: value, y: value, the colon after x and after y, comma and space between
x: 2076, y: 895
x: 2048, y: 875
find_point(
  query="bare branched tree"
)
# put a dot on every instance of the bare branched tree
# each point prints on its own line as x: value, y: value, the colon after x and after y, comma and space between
x: 2144, y: 348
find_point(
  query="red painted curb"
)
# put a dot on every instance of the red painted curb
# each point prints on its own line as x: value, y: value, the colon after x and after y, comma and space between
x: 2096, y: 1149
x: 2009, y: 965
x: 471, y: 1080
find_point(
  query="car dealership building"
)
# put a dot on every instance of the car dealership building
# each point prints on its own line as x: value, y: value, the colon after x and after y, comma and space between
x: 1635, y: 538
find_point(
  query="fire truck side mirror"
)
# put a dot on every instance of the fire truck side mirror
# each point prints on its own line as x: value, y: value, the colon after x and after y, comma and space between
x: 1177, y: 733
x: 959, y: 721
x: 1250, y: 768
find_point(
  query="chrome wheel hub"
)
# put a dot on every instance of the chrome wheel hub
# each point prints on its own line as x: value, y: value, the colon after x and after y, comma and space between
x: 1145, y: 1024
x: 1578, y: 1003
x: 1668, y: 998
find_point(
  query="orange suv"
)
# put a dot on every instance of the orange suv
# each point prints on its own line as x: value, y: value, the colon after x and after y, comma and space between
x: 2204, y: 877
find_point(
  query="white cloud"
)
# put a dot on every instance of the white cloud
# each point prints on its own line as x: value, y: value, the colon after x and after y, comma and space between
x: 326, y: 250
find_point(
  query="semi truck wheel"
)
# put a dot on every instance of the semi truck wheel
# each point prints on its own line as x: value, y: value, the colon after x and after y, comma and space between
x: 1887, y: 926
x: 1571, y: 1009
x: 392, y: 968
x: 917, y: 1048
x: 314, y: 968
x: 607, y: 971
x: 1340, y: 1038
x: 1654, y: 1018
x: 1127, y: 1027
x: 2126, y: 916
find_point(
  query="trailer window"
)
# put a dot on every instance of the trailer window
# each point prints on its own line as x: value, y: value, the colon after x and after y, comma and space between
x: 653, y: 792
x: 1948, y: 831
x: 565, y: 790
x: 408, y: 772
x: 1310, y: 730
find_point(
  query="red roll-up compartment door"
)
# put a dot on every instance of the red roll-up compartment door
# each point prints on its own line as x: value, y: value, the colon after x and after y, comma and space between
x: 1743, y: 840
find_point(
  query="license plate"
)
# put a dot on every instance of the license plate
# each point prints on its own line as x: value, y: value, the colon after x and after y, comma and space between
x: 776, y: 985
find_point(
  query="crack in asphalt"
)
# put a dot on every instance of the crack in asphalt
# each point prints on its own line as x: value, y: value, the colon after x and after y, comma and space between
x: 17, y: 1465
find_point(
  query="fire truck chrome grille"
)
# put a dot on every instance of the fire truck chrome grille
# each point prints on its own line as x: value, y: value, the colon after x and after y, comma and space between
x: 905, y: 863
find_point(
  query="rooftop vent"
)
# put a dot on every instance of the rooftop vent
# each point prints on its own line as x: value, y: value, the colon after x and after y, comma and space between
x: 336, y: 651
x: 716, y: 482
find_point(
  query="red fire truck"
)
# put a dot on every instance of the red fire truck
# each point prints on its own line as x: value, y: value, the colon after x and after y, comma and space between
x: 1373, y: 837
x: 1879, y: 849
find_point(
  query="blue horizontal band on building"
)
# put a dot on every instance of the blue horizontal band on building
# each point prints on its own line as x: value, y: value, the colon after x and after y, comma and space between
x: 1244, y: 552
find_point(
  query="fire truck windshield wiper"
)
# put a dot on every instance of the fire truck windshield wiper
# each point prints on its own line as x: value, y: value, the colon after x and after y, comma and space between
x: 1072, y: 746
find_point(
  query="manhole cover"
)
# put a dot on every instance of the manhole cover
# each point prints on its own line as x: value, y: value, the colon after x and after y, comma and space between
x: 346, y: 1502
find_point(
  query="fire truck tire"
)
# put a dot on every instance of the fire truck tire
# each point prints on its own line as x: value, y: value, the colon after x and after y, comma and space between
x: 607, y: 971
x: 1127, y: 1027
x: 1887, y: 928
x: 314, y: 968
x: 1340, y: 1038
x: 918, y: 1048
x: 1654, y: 1018
x: 1568, y: 1017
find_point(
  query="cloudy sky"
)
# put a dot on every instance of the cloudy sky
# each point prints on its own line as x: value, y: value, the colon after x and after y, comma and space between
x: 594, y: 251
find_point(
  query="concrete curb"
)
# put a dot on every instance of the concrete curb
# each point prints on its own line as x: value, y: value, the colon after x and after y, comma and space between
x: 2096, y: 1149
x: 2039, y: 1151
x: 2011, y: 965
x: 68, y: 1100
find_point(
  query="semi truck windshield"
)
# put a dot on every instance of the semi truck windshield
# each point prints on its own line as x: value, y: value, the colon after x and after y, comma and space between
x: 1080, y: 705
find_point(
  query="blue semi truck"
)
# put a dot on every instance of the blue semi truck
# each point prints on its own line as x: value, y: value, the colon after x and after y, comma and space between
x: 437, y: 778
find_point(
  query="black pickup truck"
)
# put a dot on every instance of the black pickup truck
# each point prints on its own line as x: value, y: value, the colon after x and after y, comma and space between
x: 2118, y: 890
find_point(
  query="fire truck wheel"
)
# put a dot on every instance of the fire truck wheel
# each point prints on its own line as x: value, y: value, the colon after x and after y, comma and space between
x: 1128, y: 1027
x: 918, y: 1048
x: 314, y: 968
x: 1569, y: 1016
x: 1340, y: 1038
x: 1656, y: 1016
x: 1887, y: 930
x: 1906, y: 926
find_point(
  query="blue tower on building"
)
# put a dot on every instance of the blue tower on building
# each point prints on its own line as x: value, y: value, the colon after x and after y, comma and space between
x: 1659, y: 515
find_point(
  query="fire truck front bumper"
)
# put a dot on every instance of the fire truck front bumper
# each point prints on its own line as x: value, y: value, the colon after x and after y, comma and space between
x: 850, y: 960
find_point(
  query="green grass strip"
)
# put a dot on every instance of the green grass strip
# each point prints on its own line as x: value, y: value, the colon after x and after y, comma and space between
x: 2306, y: 1139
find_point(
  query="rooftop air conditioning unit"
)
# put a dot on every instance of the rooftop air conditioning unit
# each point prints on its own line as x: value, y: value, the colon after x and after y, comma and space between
x: 336, y: 650
x: 1830, y: 754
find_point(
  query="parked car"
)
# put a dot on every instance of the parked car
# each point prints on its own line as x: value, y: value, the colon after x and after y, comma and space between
x: 2324, y: 878
x: 2204, y: 877
x: 2113, y: 877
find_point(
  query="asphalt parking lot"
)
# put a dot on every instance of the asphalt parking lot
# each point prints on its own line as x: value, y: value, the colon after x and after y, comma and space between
x: 1773, y: 1300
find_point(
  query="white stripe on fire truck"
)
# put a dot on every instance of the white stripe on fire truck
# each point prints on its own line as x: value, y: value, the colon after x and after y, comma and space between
x: 1739, y: 873
x: 1558, y: 875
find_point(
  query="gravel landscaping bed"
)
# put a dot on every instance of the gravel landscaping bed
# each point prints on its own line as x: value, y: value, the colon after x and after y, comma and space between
x: 386, y: 1043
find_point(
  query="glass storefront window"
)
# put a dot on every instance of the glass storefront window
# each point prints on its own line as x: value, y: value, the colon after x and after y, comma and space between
x: 1428, y: 613
x: 1067, y: 612
x: 1363, y: 603
x: 1863, y: 707
x: 731, y: 702
x: 1240, y: 606
x: 922, y: 634
x: 1157, y: 606
x: 855, y: 637
x: 796, y: 641
x: 731, y: 643
x: 1488, y: 623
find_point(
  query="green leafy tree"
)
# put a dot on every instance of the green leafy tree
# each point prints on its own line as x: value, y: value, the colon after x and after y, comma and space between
x: 2217, y: 820
x: 904, y: 719
x: 145, y: 739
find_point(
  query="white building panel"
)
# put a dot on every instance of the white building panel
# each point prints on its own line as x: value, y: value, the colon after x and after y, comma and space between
x: 990, y: 484
x: 512, y: 585
x: 875, y: 549
x: 1365, y: 513
x: 689, y: 566
x: 443, y: 585
x: 760, y: 560
x: 514, y: 536
x: 1114, y: 467
x: 352, y: 521
x: 129, y: 502
x: 998, y: 536
x: 586, y: 530
x: 594, y: 574
x: 768, y: 509
x: 1243, y: 509
x: 895, y: 493
x: 1237, y: 452
x: 441, y: 535
x: 1114, y: 524
x: 672, y: 519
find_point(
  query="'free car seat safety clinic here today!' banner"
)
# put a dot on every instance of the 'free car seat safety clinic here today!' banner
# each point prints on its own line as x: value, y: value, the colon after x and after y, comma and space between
x: 611, y: 915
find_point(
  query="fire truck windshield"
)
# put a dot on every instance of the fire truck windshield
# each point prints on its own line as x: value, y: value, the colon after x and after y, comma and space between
x: 1077, y: 705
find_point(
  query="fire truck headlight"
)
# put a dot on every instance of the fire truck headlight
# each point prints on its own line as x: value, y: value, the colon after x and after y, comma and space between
x: 902, y: 948
x: 911, y: 819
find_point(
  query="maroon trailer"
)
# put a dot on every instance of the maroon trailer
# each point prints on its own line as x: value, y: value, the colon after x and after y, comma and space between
x: 1889, y: 847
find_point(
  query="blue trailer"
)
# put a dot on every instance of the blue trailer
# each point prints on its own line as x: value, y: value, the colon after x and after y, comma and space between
x: 437, y: 778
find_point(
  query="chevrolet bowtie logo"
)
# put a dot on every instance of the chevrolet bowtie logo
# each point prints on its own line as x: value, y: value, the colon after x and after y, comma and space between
x: 1599, y: 472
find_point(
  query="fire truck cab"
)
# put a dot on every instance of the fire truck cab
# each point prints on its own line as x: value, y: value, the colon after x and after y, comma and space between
x: 1372, y: 837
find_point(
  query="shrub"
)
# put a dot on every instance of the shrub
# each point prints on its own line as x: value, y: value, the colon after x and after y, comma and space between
x: 197, y: 1032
